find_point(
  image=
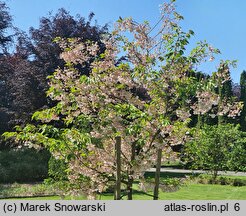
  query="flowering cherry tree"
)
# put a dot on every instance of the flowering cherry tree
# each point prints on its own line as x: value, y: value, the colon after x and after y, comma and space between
x: 139, y: 92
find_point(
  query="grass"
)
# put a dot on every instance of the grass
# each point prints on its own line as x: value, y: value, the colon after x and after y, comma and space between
x: 206, y: 192
x: 190, y: 190
x: 186, y: 192
x: 19, y: 190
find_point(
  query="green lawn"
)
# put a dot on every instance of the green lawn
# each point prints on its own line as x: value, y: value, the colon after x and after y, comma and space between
x: 188, y: 192
x: 199, y: 192
x: 207, y: 192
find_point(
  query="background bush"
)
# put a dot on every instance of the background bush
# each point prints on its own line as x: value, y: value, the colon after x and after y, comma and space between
x: 57, y: 169
x: 218, y: 147
x: 23, y: 165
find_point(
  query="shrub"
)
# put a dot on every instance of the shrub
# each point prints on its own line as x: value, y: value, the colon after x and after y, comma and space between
x: 166, y: 185
x: 219, y: 147
x: 23, y: 165
x: 221, y: 180
x: 57, y: 169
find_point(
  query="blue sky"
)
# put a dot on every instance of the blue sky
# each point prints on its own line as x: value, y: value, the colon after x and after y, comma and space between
x: 220, y: 22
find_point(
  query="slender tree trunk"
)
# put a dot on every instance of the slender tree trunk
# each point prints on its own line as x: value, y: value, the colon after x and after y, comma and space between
x: 199, y: 121
x: 220, y: 118
x: 130, y: 178
x: 157, y: 174
x: 215, y: 174
x: 129, y: 188
x: 117, y: 194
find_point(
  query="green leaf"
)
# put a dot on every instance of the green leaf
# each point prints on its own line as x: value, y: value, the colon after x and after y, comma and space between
x: 8, y: 135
